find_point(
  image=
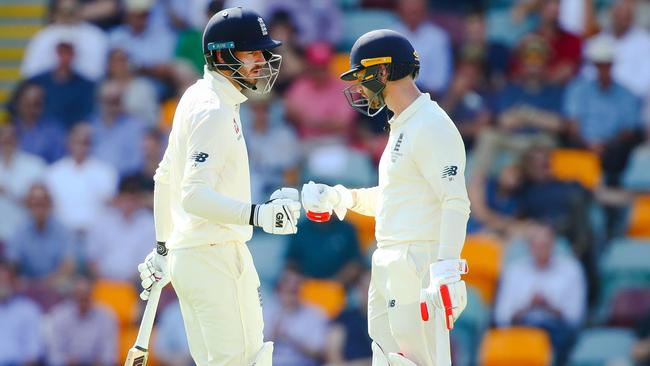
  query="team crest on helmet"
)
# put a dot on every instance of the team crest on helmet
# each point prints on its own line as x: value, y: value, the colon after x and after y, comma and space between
x: 262, y: 26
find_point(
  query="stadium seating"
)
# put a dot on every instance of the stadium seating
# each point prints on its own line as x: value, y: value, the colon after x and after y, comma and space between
x: 268, y: 252
x: 602, y: 345
x: 625, y: 265
x: 581, y: 166
x: 121, y: 297
x: 637, y: 175
x: 19, y: 21
x: 329, y: 296
x: 515, y: 346
x: 629, y: 307
x: 483, y: 256
x: 639, y: 220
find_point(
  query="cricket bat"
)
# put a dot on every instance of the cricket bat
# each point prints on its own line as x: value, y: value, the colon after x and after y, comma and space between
x: 137, y: 355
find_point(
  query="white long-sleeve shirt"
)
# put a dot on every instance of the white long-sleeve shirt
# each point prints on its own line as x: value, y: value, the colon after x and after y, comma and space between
x: 421, y: 194
x: 203, y: 179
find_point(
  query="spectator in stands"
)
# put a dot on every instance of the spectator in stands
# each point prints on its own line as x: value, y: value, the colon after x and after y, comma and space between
x: 317, y: 20
x: 36, y: 134
x: 283, y: 28
x: 270, y: 170
x: 42, y: 249
x: 81, y: 332
x: 139, y: 97
x: 605, y: 115
x: 152, y: 151
x: 563, y: 205
x: 117, y: 136
x: 528, y: 110
x: 89, y: 42
x: 188, y: 39
x: 18, y: 171
x: 465, y: 103
x: 348, y: 342
x: 329, y: 118
x: 80, y: 184
x: 546, y: 289
x: 431, y: 42
x: 69, y: 96
x: 183, y: 76
x: 565, y: 48
x: 22, y: 340
x: 150, y: 47
x: 298, y: 330
x: 328, y: 250
x: 631, y: 49
x: 170, y: 342
x: 122, y: 234
x: 476, y: 46
x: 495, y: 205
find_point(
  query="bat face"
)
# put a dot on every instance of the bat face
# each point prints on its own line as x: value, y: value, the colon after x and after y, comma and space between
x: 136, y: 357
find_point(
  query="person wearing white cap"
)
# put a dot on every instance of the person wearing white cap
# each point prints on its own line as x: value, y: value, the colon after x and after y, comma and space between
x: 605, y: 114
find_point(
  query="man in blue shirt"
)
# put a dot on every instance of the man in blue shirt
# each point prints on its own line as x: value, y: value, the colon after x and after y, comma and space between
x: 69, y: 96
x: 605, y: 116
x: 42, y: 248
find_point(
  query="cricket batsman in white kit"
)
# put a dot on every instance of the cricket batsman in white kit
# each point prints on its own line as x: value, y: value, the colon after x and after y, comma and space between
x: 420, y: 206
x: 202, y: 199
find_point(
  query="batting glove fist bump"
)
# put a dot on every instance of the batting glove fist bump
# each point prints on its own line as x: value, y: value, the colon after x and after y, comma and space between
x: 320, y: 198
x: 280, y: 214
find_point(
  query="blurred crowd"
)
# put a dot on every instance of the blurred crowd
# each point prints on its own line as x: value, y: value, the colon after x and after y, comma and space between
x: 524, y: 81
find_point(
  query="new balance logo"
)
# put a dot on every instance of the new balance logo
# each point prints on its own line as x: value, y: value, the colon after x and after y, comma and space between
x: 279, y: 220
x: 449, y: 171
x: 199, y: 157
x: 391, y: 303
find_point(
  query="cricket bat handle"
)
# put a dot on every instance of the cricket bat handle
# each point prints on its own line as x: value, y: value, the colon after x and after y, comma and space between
x: 146, y: 325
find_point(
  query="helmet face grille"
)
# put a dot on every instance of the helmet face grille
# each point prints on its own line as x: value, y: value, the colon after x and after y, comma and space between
x: 366, y: 95
x: 261, y: 83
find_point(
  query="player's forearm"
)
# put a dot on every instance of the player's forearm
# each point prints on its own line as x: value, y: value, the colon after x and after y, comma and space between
x: 213, y: 206
x: 453, y: 226
x: 365, y: 200
x: 162, y: 211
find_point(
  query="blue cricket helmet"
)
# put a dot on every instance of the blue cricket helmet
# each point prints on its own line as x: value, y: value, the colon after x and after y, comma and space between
x: 377, y: 57
x: 240, y: 29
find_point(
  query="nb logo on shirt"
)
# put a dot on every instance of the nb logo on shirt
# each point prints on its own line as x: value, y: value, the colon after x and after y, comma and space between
x: 279, y: 220
x: 199, y: 157
x: 449, y: 171
x: 391, y: 303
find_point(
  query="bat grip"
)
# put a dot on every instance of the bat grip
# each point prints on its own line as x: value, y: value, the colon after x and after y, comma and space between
x: 146, y: 325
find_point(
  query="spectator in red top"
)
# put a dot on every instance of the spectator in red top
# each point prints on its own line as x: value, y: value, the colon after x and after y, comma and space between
x: 565, y: 48
x: 315, y: 102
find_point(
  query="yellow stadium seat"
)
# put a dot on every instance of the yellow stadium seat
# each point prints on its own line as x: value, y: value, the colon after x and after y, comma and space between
x: 340, y: 63
x: 120, y: 297
x: 483, y: 255
x: 515, y: 346
x: 127, y: 339
x: 581, y: 166
x: 365, y: 226
x: 639, y: 222
x: 329, y: 296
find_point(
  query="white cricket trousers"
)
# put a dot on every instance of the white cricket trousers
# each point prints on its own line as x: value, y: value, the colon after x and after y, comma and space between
x: 218, y: 290
x: 395, y: 323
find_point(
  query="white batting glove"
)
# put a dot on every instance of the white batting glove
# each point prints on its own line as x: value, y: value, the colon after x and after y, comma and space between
x: 446, y: 290
x: 280, y: 214
x: 321, y: 198
x: 153, y: 269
